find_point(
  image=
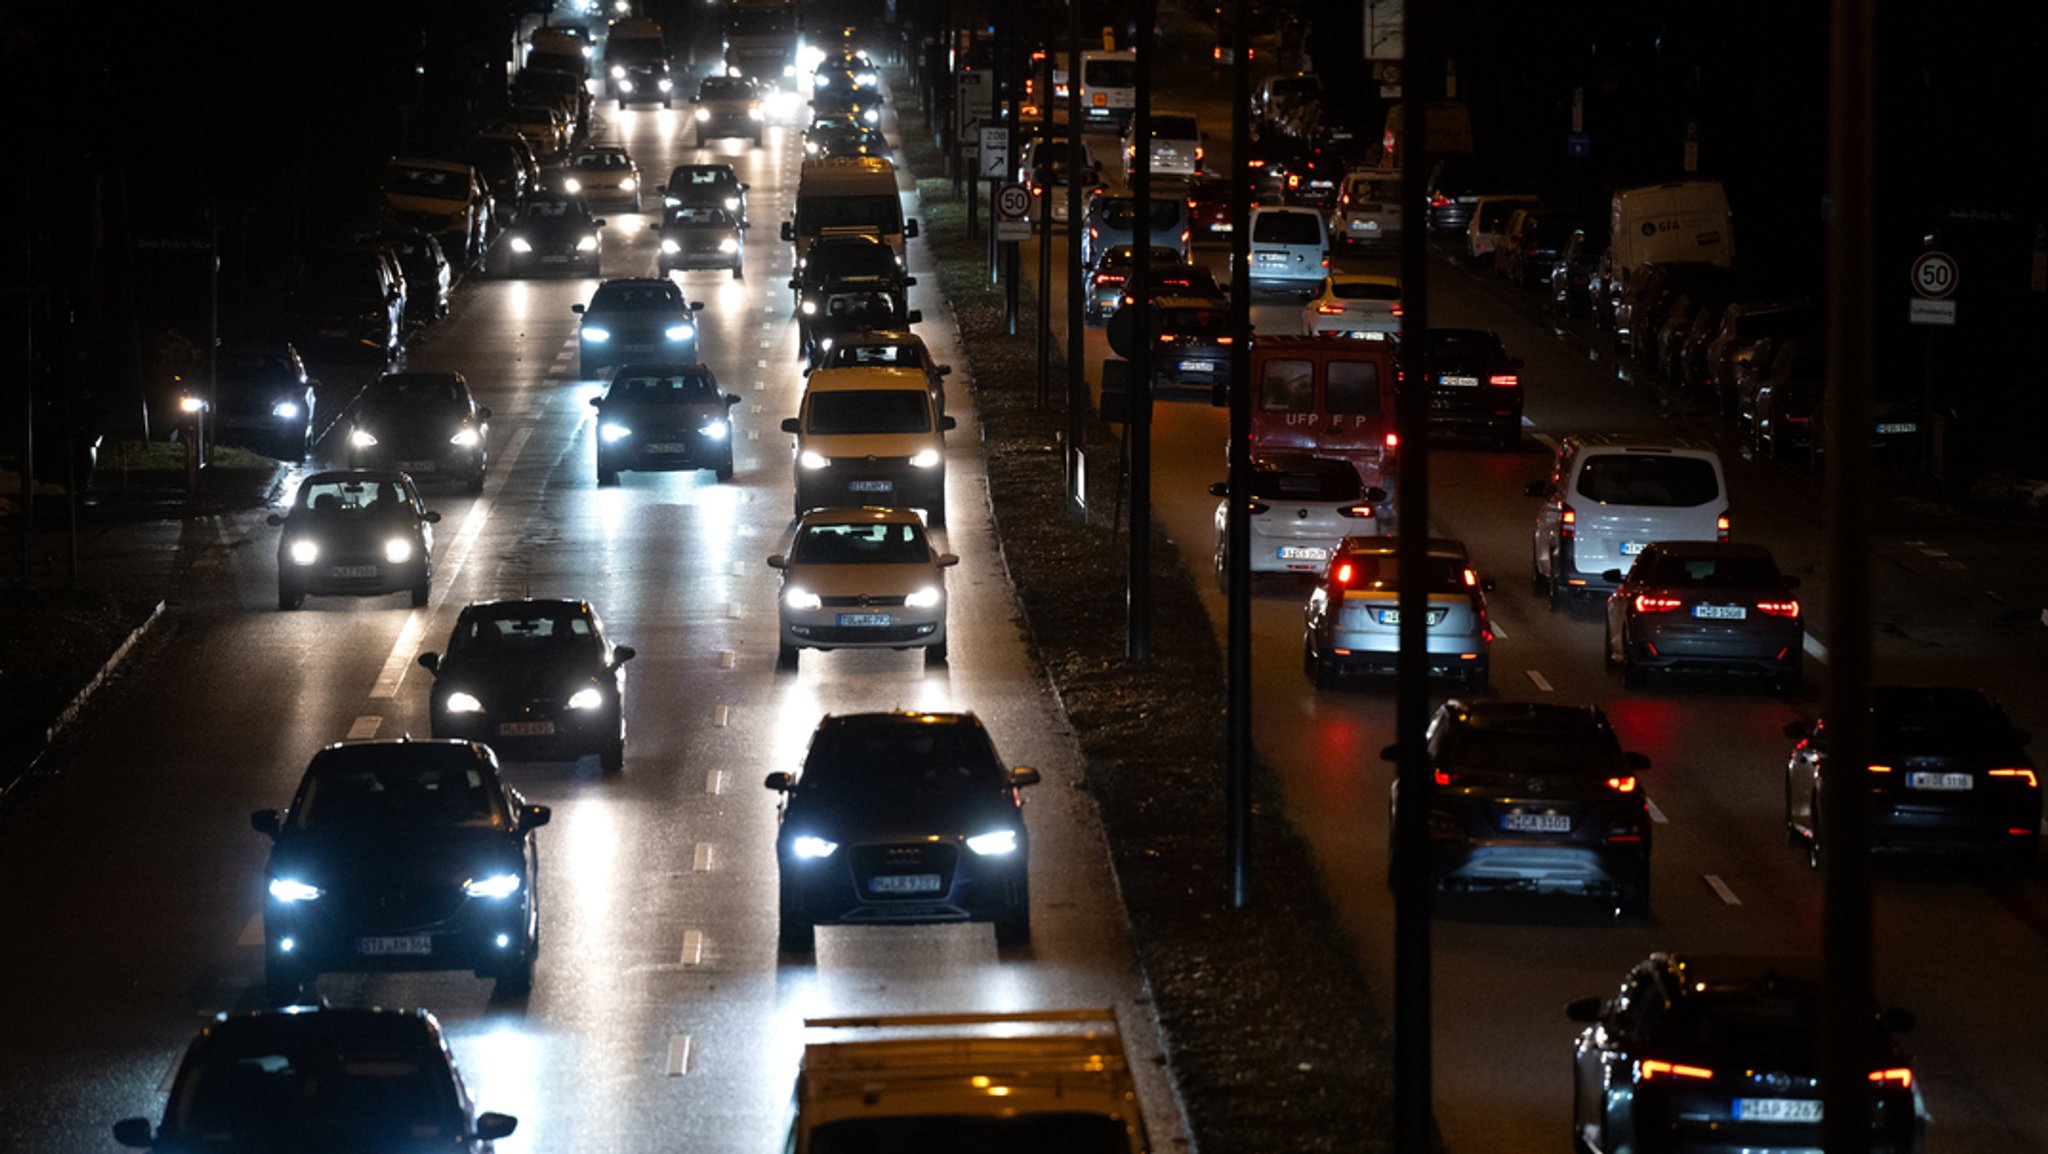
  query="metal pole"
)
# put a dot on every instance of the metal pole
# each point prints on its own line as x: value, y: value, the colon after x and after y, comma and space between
x: 1238, y: 656
x: 1077, y: 373
x: 28, y: 379
x: 1016, y: 64
x: 1045, y: 226
x: 1138, y: 641
x: 1848, y: 998
x: 1414, y: 1123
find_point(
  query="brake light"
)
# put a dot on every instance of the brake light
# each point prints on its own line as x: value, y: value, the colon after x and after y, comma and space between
x: 1438, y: 200
x: 1626, y: 783
x: 1224, y: 340
x: 1648, y: 603
x: 1567, y: 523
x: 1355, y: 511
x: 1108, y: 278
x: 1344, y: 573
x: 1326, y: 262
x: 1721, y: 528
x: 1344, y: 199
x: 1440, y: 777
x: 1788, y: 608
x: 1504, y: 380
x: 1198, y: 154
x: 1255, y: 162
x: 1651, y: 1069
x: 1329, y: 310
x: 1256, y: 507
x: 1485, y: 626
x: 1903, y: 1075
x: 1397, y: 306
x: 1393, y: 440
x: 1471, y: 579
x: 1038, y: 190
x: 1294, y: 180
x: 2026, y: 775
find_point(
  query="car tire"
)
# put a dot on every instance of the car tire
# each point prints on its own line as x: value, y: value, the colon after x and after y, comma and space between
x: 1320, y: 674
x: 936, y: 513
x: 289, y: 597
x: 697, y: 140
x: 612, y: 757
x: 724, y: 469
x: 1607, y: 658
x: 1793, y: 838
x: 606, y: 477
x: 1633, y: 903
x: 937, y: 654
x: 1539, y: 585
x: 283, y: 982
x: 515, y: 980
x: 1633, y: 676
x: 422, y: 593
x: 794, y: 933
x: 785, y: 657
x: 622, y: 106
x: 1014, y: 929
x: 476, y: 481
x: 1478, y: 678
x: 1816, y: 853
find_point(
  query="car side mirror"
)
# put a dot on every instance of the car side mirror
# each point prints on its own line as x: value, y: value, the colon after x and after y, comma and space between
x: 266, y: 822
x: 663, y: 189
x: 731, y: 399
x: 909, y: 281
x: 909, y: 228
x: 430, y: 661
x: 492, y: 1126
x: 948, y: 423
x: 1219, y: 488
x: 788, y: 231
x: 133, y: 1132
x: 780, y: 782
x: 599, y: 222
x: 483, y: 412
x: 745, y: 187
x: 1636, y: 762
x: 597, y: 402
x: 622, y: 654
x: 1023, y: 775
x: 792, y: 282
x: 1586, y: 1010
x: 577, y: 309
x: 1537, y: 489
x: 914, y: 316
x: 274, y: 519
x: 1897, y: 1020
x: 431, y: 517
x: 777, y: 561
x: 696, y: 306
x: 1614, y: 576
x: 944, y: 370
x: 535, y: 816
x: 1798, y: 730
x: 791, y: 425
x: 946, y: 560
x: 743, y: 226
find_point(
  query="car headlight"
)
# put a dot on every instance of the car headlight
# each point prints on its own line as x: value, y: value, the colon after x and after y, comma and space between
x: 732, y: 204
x: 871, y: 116
x: 814, y: 847
x: 811, y: 147
x: 625, y: 86
x: 821, y: 80
x: 596, y: 335
x: 628, y: 184
x: 499, y: 886
x: 587, y: 244
x: 1001, y: 841
x: 611, y: 432
x: 464, y: 437
x: 571, y: 184
x: 285, y: 409
x: 925, y: 598
x: 703, y: 114
x: 679, y: 332
x: 304, y: 552
x: 586, y: 698
x: 753, y: 112
x: 797, y: 597
x: 728, y: 245
x: 670, y: 246
x: 521, y: 244
x: 288, y: 890
x: 360, y: 439
x: 732, y: 70
x: 618, y: 71
x: 714, y: 430
x: 810, y: 308
x: 670, y: 201
x: 926, y: 460
x: 460, y: 702
x: 398, y: 550
x: 867, y: 80
x: 825, y: 345
x: 665, y: 84
x: 812, y: 459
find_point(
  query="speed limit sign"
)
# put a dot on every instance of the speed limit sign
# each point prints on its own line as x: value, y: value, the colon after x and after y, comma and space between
x: 1013, y: 201
x: 1934, y: 275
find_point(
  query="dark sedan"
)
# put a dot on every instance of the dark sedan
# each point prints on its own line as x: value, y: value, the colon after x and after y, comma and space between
x: 1704, y: 607
x: 705, y: 186
x: 1715, y: 1054
x: 702, y: 238
x: 554, y: 233
x: 636, y: 319
x: 1948, y: 771
x: 849, y: 306
x: 429, y: 277
x: 355, y: 533
x: 264, y: 398
x: 423, y: 424
x: 902, y: 818
x: 830, y: 136
x: 663, y: 418
x: 1209, y: 208
x: 1475, y: 387
x: 1536, y: 798
x: 1194, y: 338
x: 401, y: 855
x: 532, y: 676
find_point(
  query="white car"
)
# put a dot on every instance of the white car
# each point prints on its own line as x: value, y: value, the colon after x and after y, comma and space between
x: 1368, y: 208
x: 1610, y: 496
x: 1353, y: 304
x: 1302, y: 507
x: 1176, y: 146
x: 861, y: 578
x: 1490, y: 216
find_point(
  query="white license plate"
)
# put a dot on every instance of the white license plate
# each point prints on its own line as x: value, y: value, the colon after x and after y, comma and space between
x: 416, y: 466
x: 871, y: 486
x: 1898, y: 427
x: 1777, y: 1109
x: 1941, y: 781
x: 1198, y: 366
x: 1270, y: 257
x: 1461, y: 382
x: 412, y: 945
x: 863, y: 620
x: 668, y: 447
x: 554, y: 258
x: 1220, y: 226
x: 1365, y: 226
x: 1536, y: 822
x: 525, y: 728
x: 1393, y: 616
x: 904, y: 884
x: 1303, y: 553
x: 352, y: 571
x: 1631, y: 548
x: 1720, y: 612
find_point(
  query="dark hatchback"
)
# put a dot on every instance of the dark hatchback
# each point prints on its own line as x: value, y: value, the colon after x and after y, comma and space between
x: 631, y: 319
x: 830, y: 136
x: 848, y: 306
x: 426, y: 425
x: 554, y: 233
x: 1705, y: 607
x: 1209, y: 208
x: 321, y: 1080
x: 705, y: 186
x: 1536, y: 798
x: 1194, y: 338
x: 264, y: 399
x: 355, y: 533
x: 1948, y: 771
x: 401, y: 855
x: 663, y: 418
x: 1720, y: 1054
x: 1475, y: 387
x: 535, y: 676
x: 902, y: 818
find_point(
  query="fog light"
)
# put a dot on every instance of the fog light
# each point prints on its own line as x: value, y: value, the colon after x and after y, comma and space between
x: 504, y: 940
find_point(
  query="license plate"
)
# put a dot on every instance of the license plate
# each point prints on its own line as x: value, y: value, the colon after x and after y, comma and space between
x: 1631, y: 548
x: 412, y: 945
x: 1941, y: 781
x: 668, y: 447
x: 416, y: 466
x: 1303, y: 553
x: 1198, y: 366
x: 352, y: 571
x: 1536, y: 822
x: 1220, y: 226
x: 904, y: 884
x: 1720, y: 612
x: 525, y: 728
x: 1393, y: 616
x: 554, y: 258
x: 1270, y: 257
x: 1460, y: 382
x: 1898, y: 427
x: 1365, y: 226
x: 1777, y: 1109
x: 863, y: 619
x: 870, y: 486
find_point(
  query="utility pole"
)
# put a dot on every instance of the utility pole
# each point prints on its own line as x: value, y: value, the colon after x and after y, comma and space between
x: 1138, y: 640
x: 1042, y: 158
x: 1077, y: 349
x: 1238, y: 544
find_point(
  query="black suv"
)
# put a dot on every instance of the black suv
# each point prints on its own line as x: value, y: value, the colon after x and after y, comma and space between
x: 1475, y: 387
x: 903, y: 817
x: 534, y: 675
x: 1535, y: 797
x: 401, y: 855
x: 320, y: 1078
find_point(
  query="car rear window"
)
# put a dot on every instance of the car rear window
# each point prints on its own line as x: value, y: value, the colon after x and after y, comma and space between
x: 870, y: 411
x: 1719, y: 572
x: 1122, y: 214
x: 1381, y: 571
x: 1174, y: 128
x: 1521, y: 750
x: 1352, y: 388
x: 1323, y: 481
x: 1652, y: 479
x: 1287, y: 228
x: 1364, y: 290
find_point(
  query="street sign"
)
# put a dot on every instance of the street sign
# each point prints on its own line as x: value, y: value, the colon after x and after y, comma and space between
x: 1013, y: 212
x: 1920, y: 311
x: 995, y: 153
x: 972, y: 101
x: 1934, y: 276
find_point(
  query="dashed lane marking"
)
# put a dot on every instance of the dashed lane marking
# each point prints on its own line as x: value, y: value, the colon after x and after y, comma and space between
x: 1722, y: 891
x: 1541, y: 682
x: 1656, y: 815
x: 714, y: 781
x: 721, y: 715
x: 365, y: 727
x: 1819, y: 652
x: 726, y: 657
x: 700, y: 862
x: 678, y: 1055
x: 693, y: 947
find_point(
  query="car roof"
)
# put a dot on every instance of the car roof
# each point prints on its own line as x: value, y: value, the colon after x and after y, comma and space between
x: 851, y: 378
x: 1534, y: 716
x: 1388, y: 543
x: 860, y: 515
x: 1641, y: 442
x: 358, y: 1023
x: 456, y: 166
x: 894, y: 719
x: 496, y: 605
x: 1717, y: 550
x: 427, y: 751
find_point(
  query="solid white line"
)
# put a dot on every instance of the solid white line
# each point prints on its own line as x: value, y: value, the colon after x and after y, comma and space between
x: 1656, y: 815
x: 721, y: 715
x: 1720, y: 887
x: 714, y: 781
x: 754, y: 434
x: 1541, y: 682
x: 693, y: 947
x: 700, y: 862
x: 163, y: 1085
x: 678, y: 1055
x: 726, y: 657
x: 364, y: 728
x: 252, y: 933
x: 400, y: 657
x: 1819, y: 652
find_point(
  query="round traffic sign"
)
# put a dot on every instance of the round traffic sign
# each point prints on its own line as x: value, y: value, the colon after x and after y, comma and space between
x: 1013, y: 201
x: 1934, y: 275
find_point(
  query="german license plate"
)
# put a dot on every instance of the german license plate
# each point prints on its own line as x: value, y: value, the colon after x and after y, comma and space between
x: 1890, y: 427
x: 1220, y: 226
x: 526, y: 728
x: 1720, y: 612
x: 1304, y: 553
x: 871, y: 486
x: 668, y: 447
x: 554, y: 258
x: 1461, y: 382
x: 1777, y: 1109
x: 1631, y: 548
x: 352, y: 571
x: 1536, y: 822
x: 1941, y: 781
x: 412, y: 945
x: 416, y: 466
x: 863, y: 620
x: 1198, y: 366
x: 1270, y: 257
x: 904, y: 884
x: 1393, y: 616
x: 1365, y: 226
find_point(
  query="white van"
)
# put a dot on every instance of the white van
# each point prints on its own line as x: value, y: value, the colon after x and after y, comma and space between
x: 1109, y: 87
x: 1678, y: 220
x: 1368, y: 208
x: 1176, y: 146
x: 1290, y: 248
x: 1611, y: 495
x: 847, y: 195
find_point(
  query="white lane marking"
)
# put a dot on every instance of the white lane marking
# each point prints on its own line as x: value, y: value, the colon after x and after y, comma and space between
x: 678, y: 1055
x: 400, y: 657
x: 1541, y: 682
x: 760, y: 364
x: 1819, y: 652
x: 754, y: 434
x: 766, y: 343
x: 252, y: 933
x: 726, y: 657
x: 365, y: 727
x: 566, y: 354
x: 693, y: 947
x: 714, y: 781
x: 1721, y: 889
x: 163, y: 1085
x: 757, y: 410
x: 760, y: 385
x: 1925, y: 552
x: 732, y: 610
x: 721, y: 715
x: 1656, y: 815
x: 700, y: 862
x: 1498, y: 633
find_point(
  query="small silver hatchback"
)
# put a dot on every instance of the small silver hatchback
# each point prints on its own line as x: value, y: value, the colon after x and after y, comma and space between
x: 1353, y: 618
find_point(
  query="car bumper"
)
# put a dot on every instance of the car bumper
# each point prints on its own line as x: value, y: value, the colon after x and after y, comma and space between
x: 703, y: 258
x: 863, y: 627
x: 572, y: 261
x: 353, y: 577
x: 1535, y: 867
x: 1688, y: 649
x: 1358, y: 328
x: 1475, y: 419
x: 1281, y: 555
x: 465, y: 464
x: 659, y: 453
x: 533, y: 735
x: 841, y: 889
x: 469, y: 938
x: 819, y: 488
x: 1966, y: 828
x: 1460, y: 656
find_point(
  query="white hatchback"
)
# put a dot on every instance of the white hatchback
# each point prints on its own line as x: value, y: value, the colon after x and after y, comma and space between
x: 1609, y: 496
x: 1302, y: 507
x: 1353, y: 304
x: 861, y: 578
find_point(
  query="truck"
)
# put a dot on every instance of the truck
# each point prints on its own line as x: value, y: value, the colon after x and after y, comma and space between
x: 762, y: 39
x: 1329, y: 397
x: 1679, y: 220
x: 1029, y: 1080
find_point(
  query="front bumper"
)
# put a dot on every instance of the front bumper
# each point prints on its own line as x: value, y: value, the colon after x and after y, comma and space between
x: 664, y: 451
x: 858, y: 626
x: 421, y: 463
x: 951, y: 884
x: 353, y: 576
x: 1535, y: 867
x: 534, y: 733
x: 855, y: 486
x: 1686, y: 648
x: 432, y: 928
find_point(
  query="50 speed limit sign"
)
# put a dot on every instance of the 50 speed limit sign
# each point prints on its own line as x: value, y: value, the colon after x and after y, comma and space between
x: 1934, y: 275
x: 1014, y: 201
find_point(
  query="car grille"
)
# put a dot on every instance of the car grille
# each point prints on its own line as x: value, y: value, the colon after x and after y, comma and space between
x: 829, y: 635
x: 841, y: 602
x: 870, y: 861
x: 394, y: 907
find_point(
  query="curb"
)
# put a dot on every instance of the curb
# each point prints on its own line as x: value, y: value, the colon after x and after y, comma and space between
x: 70, y: 713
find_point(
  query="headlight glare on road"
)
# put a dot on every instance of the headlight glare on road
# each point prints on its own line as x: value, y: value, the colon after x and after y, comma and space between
x: 521, y: 245
x: 814, y: 847
x: 304, y: 552
x: 596, y: 335
x: 285, y: 409
x: 714, y: 430
x: 614, y: 433
x: 398, y: 550
x: 460, y: 702
x: 586, y: 698
x: 925, y: 598
x: 499, y: 886
x: 797, y: 597
x: 926, y: 460
x: 361, y: 439
x: 812, y: 459
x: 465, y: 437
x: 679, y: 332
x: 587, y: 244
x: 728, y: 246
x: 1001, y: 841
x: 288, y: 890
x: 572, y: 185
x: 669, y: 246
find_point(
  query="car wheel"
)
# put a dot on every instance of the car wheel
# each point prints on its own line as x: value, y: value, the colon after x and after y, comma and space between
x: 1633, y: 676
x: 794, y: 932
x: 724, y: 470
x: 1539, y: 585
x: 1793, y: 837
x: 1015, y: 929
x: 698, y: 141
x: 422, y: 592
x: 516, y: 979
x: 1633, y: 903
x: 1816, y: 856
x: 289, y: 597
x: 1607, y: 657
x: 1320, y: 673
x: 607, y: 477
x: 936, y: 514
x: 612, y: 758
x: 284, y: 982
x: 1478, y: 678
x: 737, y: 272
x: 785, y: 657
x: 937, y: 654
x: 476, y: 481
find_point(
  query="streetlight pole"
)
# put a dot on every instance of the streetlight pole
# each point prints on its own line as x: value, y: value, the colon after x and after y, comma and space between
x: 1138, y: 639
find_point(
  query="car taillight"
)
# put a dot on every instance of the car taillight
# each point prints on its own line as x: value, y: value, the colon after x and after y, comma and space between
x: 1440, y: 777
x: 1344, y: 199
x: 1626, y: 783
x: 1329, y: 310
x: 1256, y: 507
x: 1788, y: 608
x: 1721, y: 528
x: 1503, y: 380
x: 1567, y: 523
x: 1880, y: 769
x: 1344, y: 573
x: 1485, y: 626
x: 2026, y: 775
x: 1393, y: 440
x: 1355, y: 511
x: 1438, y: 200
x: 1397, y: 306
x: 1649, y: 603
x: 1294, y: 180
x: 1108, y: 278
x: 1902, y: 1075
x: 1326, y: 262
x: 1198, y: 154
x: 1651, y: 1069
x: 1471, y: 579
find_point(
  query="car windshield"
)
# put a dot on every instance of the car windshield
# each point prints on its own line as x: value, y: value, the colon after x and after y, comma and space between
x: 861, y: 543
x: 903, y: 759
x: 1197, y: 322
x: 1287, y: 228
x: 1363, y: 290
x: 256, y: 371
x: 1525, y: 751
x: 698, y: 217
x: 521, y: 629
x: 346, y: 497
x: 869, y: 411
x: 1173, y: 128
x: 701, y: 178
x: 1463, y: 344
x: 554, y: 211
x: 1076, y: 1133
x: 865, y: 309
x: 662, y: 389
x: 1330, y: 480
x: 1109, y: 74
x: 370, y: 793
x: 879, y: 213
x: 437, y: 183
x: 1715, y: 572
x: 1648, y: 479
x: 347, y: 1092
x: 908, y: 356
x: 1380, y: 572
x: 602, y: 162
x: 847, y: 258
x: 413, y: 393
x: 625, y: 297
x: 725, y: 88
x: 1767, y: 1031
x: 1121, y: 213
x: 1914, y: 720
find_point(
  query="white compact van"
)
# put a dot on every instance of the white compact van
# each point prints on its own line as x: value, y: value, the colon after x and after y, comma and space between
x: 845, y: 195
x: 1678, y: 220
x: 1609, y: 496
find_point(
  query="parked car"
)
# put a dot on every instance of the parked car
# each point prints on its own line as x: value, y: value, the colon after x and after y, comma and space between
x: 264, y: 399
x: 1571, y: 278
x: 424, y: 424
x: 1785, y: 402
x: 355, y: 533
x: 663, y: 417
x: 535, y: 676
x: 1743, y: 324
x: 1610, y: 495
x: 632, y: 319
x: 444, y: 198
x: 1352, y: 620
x: 429, y: 278
x: 861, y: 578
x: 1529, y: 252
x: 1705, y: 607
x: 350, y: 304
x: 507, y: 163
x: 1489, y: 221
x: 1302, y: 509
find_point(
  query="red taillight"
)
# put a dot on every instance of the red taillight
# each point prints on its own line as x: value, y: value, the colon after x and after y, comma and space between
x: 1294, y: 180
x: 1721, y: 528
x: 1330, y: 310
x: 1344, y: 573
x: 1393, y: 440
x: 1108, y: 278
x: 1626, y: 783
x: 1471, y: 579
x: 1397, y: 306
x: 1902, y: 1075
x: 1224, y: 340
x: 1651, y: 1069
x: 1216, y: 53
x: 1038, y: 190
x: 1648, y: 603
x: 1504, y: 380
x: 2026, y: 775
x: 1344, y: 199
x: 1355, y: 511
x: 1786, y: 608
x: 1198, y: 154
x: 1439, y: 200
x: 1567, y: 523
x: 1440, y: 777
x: 1255, y: 163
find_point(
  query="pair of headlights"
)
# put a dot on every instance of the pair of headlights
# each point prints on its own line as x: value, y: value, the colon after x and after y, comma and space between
x: 306, y: 551
x: 464, y: 438
x: 613, y: 432
x: 994, y: 844
x: 589, y: 697
x: 797, y: 597
x: 499, y: 886
x: 812, y: 459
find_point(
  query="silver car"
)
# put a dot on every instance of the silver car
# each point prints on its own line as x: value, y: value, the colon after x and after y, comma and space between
x: 865, y: 578
x: 1302, y: 508
x: 1353, y: 617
